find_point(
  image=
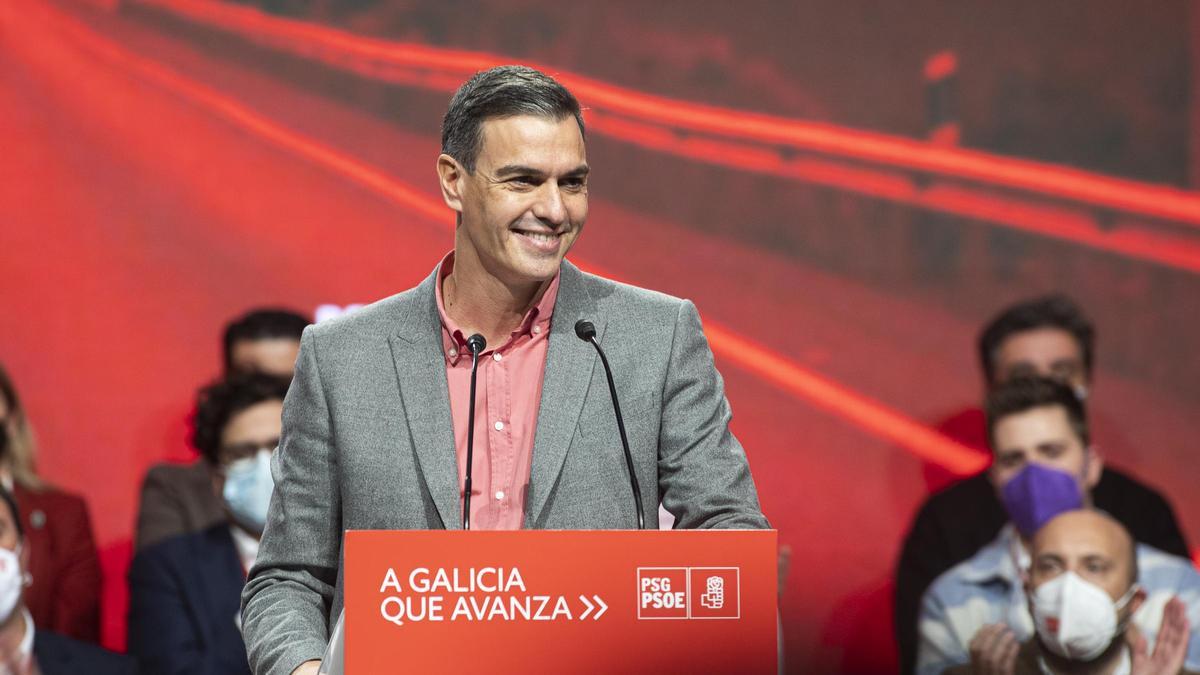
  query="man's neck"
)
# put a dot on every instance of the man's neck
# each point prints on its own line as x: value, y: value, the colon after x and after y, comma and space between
x: 12, y: 631
x: 481, y: 303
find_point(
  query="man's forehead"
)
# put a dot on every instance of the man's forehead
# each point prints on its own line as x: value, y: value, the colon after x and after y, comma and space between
x: 1049, y: 422
x: 531, y: 140
x: 1080, y: 535
x: 1045, y: 342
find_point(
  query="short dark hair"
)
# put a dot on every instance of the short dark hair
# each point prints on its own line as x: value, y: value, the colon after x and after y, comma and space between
x: 1051, y: 311
x: 12, y: 508
x: 265, y: 323
x: 503, y: 91
x: 1026, y: 393
x: 217, y: 403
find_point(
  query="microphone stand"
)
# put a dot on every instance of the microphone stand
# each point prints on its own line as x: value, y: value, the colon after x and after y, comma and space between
x: 586, y: 331
x: 476, y: 344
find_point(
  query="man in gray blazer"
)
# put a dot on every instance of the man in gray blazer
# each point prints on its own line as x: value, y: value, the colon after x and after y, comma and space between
x: 374, y: 423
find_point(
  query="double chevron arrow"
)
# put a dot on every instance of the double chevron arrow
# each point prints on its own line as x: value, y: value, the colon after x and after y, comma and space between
x: 598, y: 605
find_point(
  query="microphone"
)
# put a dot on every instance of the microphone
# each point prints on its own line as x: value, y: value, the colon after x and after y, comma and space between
x: 587, y: 332
x: 476, y: 344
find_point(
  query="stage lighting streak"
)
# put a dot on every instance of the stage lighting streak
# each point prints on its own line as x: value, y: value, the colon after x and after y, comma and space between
x: 1045, y: 219
x: 870, y: 416
x: 363, y: 55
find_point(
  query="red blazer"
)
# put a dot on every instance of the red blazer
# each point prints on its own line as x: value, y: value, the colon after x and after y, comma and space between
x: 65, y: 594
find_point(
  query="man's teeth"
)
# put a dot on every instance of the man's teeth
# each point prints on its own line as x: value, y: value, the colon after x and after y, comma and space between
x: 540, y: 236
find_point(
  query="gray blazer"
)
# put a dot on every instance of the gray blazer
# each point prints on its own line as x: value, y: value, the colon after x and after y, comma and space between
x: 368, y: 444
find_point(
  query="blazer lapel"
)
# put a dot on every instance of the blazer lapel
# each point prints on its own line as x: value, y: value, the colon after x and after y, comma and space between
x: 569, y: 364
x: 421, y: 373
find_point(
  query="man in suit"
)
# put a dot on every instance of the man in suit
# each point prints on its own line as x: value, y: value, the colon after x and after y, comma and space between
x: 178, y: 498
x: 26, y: 649
x: 184, y: 612
x: 1047, y: 337
x: 375, y: 424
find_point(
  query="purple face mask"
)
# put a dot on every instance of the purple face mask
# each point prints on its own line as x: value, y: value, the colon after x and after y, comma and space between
x: 1038, y: 493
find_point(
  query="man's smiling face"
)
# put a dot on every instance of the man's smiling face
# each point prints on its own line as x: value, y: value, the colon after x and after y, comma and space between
x: 526, y: 202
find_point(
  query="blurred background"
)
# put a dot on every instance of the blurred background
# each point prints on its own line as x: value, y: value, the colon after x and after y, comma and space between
x: 847, y: 190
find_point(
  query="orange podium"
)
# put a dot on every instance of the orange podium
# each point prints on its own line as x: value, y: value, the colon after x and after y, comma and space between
x: 545, y: 601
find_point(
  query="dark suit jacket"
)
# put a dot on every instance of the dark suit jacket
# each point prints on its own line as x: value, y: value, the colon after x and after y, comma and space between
x: 65, y: 594
x: 176, y: 499
x: 59, y: 655
x: 955, y: 523
x: 184, y: 603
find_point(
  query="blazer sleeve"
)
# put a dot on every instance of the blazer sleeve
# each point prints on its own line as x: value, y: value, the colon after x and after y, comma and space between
x: 703, y: 476
x: 287, y: 600
x: 77, y: 580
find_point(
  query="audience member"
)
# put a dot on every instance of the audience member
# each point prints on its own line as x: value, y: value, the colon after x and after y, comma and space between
x: 1083, y: 592
x: 25, y: 647
x: 1042, y: 466
x: 178, y: 498
x: 184, y: 613
x: 65, y: 595
x: 1049, y: 337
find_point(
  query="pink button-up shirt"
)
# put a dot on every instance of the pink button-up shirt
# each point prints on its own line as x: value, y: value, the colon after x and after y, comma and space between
x: 508, y: 392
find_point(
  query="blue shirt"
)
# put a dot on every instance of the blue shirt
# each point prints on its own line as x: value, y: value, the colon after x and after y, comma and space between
x: 988, y: 588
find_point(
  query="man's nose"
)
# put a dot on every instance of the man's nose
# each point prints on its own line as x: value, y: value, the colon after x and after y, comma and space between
x: 550, y: 207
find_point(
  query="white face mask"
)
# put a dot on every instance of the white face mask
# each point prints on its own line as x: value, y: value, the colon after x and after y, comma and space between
x: 1075, y: 618
x: 11, y: 581
x: 248, y: 487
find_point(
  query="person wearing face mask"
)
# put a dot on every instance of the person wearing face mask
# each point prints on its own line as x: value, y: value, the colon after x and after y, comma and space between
x: 65, y: 596
x: 1043, y: 465
x: 1051, y: 337
x: 28, y: 649
x: 1083, y: 592
x: 184, y: 613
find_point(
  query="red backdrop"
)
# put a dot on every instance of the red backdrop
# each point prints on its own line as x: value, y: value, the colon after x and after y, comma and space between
x: 170, y: 163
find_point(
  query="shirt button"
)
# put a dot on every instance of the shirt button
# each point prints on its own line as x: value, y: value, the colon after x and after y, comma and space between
x: 499, y: 494
x: 499, y: 426
x: 496, y: 355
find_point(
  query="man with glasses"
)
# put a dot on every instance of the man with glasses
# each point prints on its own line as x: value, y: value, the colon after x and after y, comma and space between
x: 184, y: 607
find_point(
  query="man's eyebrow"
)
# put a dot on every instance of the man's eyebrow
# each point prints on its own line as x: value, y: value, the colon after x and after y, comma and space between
x: 518, y: 170
x: 522, y: 170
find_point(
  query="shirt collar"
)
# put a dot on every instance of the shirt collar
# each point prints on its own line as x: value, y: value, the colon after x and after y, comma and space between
x: 997, y: 560
x: 25, y: 649
x: 246, y: 545
x: 454, y: 342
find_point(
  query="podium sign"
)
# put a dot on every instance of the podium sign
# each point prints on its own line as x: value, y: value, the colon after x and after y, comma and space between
x: 536, y: 601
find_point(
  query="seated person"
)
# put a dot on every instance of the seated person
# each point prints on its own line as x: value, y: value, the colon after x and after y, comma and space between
x: 1083, y: 593
x: 27, y: 648
x: 185, y: 592
x: 65, y: 595
x: 1049, y: 337
x: 178, y: 498
x: 1042, y: 466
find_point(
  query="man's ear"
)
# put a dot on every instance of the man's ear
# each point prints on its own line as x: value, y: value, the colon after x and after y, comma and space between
x: 451, y: 177
x: 1095, y: 467
x: 23, y: 557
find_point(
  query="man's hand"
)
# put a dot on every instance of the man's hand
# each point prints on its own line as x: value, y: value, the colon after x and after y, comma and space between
x: 1170, y: 649
x: 307, y: 668
x: 994, y: 650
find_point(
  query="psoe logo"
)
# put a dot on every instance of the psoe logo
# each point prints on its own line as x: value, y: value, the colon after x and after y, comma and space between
x: 689, y: 592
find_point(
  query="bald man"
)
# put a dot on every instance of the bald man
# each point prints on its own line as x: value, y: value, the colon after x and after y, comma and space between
x: 1044, y: 465
x: 1083, y: 594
